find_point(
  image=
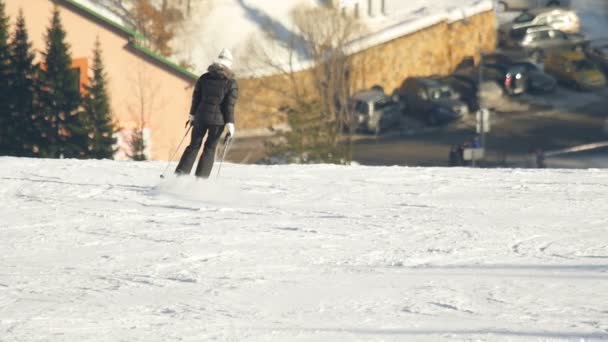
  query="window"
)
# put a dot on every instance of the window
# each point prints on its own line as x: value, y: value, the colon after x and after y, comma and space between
x: 542, y: 20
x: 518, y: 34
x: 539, y: 36
x: 383, y: 103
x: 362, y: 107
x: 554, y: 34
x: 524, y: 18
x: 76, y: 74
x: 81, y: 68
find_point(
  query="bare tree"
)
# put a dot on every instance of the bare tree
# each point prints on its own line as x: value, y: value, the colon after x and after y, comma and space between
x: 317, y: 63
x: 143, y: 101
x: 156, y: 20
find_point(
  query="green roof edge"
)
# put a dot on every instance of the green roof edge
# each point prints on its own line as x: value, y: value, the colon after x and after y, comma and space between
x: 164, y: 60
x: 135, y: 40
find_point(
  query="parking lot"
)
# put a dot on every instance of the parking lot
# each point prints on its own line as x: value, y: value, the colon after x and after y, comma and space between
x: 519, y: 125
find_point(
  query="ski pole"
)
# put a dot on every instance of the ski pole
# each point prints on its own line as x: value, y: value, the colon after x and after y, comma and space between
x: 162, y: 175
x: 227, y: 142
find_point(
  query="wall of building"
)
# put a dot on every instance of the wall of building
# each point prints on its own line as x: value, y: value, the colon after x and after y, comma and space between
x: 436, y: 50
x: 137, y: 88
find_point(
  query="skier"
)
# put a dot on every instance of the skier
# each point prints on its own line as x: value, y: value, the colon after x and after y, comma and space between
x: 213, y: 101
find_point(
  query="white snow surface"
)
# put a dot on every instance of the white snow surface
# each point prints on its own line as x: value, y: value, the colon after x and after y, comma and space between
x: 235, y: 24
x: 106, y: 251
x: 100, y: 10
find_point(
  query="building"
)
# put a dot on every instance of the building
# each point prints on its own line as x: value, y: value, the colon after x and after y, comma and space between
x: 145, y: 89
x: 403, y: 39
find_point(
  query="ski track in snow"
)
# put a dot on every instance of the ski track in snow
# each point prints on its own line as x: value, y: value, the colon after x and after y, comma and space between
x: 105, y: 251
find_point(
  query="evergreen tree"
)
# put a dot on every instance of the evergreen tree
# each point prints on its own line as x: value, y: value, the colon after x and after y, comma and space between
x: 25, y: 135
x: 5, y: 80
x: 97, y: 111
x: 138, y: 145
x: 64, y: 130
x: 311, y: 138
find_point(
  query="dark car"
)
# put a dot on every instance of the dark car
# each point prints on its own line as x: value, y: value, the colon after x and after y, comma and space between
x: 466, y: 87
x: 512, y: 78
x: 431, y: 100
x: 538, y: 80
x: 597, y: 51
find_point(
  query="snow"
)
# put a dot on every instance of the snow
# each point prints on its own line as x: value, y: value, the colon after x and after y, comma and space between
x: 208, y: 31
x: 106, y: 251
x: 104, y: 12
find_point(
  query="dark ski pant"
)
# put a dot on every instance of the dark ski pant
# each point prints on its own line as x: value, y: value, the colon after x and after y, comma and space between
x: 205, y: 164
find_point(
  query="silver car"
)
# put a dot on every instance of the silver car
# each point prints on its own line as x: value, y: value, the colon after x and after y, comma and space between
x: 535, y: 40
x: 372, y: 111
x: 558, y: 18
x: 512, y: 5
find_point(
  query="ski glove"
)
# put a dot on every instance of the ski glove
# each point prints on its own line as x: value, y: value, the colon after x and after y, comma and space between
x: 230, y: 127
x: 190, y: 121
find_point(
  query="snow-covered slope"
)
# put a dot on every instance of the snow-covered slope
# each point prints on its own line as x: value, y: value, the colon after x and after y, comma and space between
x: 104, y: 251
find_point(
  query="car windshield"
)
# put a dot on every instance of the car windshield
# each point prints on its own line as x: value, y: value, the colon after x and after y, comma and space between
x: 383, y: 103
x: 526, y: 66
x: 518, y: 34
x: 442, y: 93
x: 524, y: 18
x: 583, y: 65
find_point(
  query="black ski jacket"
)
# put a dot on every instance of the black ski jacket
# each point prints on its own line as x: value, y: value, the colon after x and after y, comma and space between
x: 215, y: 96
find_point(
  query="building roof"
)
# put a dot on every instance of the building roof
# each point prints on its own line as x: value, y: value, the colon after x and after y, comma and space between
x: 210, y: 30
x: 134, y: 38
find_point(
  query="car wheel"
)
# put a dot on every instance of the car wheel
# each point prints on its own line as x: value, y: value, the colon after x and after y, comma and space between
x: 432, y: 120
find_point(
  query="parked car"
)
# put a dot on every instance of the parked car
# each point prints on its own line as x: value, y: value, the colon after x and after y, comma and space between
x: 372, y: 111
x: 597, y: 51
x: 538, y: 80
x: 558, y: 18
x: 535, y: 41
x: 512, y: 79
x: 574, y: 68
x: 467, y: 85
x: 467, y: 89
x: 431, y: 100
x: 511, y: 5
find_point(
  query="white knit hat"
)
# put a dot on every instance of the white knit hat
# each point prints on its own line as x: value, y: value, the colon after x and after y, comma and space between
x: 225, y: 58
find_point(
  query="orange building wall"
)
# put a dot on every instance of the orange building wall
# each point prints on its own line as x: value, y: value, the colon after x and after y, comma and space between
x: 139, y: 90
